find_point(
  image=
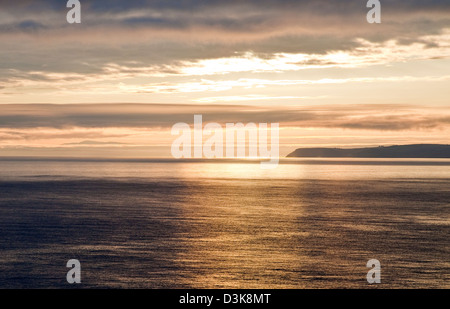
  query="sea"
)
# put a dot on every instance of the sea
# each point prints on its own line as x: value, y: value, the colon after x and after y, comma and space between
x: 153, y: 224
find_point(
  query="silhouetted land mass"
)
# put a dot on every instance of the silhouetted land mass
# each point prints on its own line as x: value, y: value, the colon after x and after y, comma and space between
x: 403, y: 151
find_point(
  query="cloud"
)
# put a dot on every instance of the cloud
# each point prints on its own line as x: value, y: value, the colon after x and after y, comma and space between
x: 368, y: 54
x: 154, y: 116
x: 129, y: 49
x: 93, y: 143
x: 248, y: 98
x: 167, y: 32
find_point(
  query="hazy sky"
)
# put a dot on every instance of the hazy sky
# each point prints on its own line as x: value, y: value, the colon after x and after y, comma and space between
x: 316, y: 67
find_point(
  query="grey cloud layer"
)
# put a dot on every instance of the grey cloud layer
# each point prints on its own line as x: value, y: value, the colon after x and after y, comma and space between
x: 231, y: 15
x: 366, y: 117
x: 35, y: 36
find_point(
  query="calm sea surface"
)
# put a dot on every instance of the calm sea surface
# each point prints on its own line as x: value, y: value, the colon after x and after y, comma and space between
x: 305, y: 224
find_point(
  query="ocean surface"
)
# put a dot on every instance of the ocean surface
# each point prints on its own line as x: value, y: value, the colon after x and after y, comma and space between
x: 165, y: 224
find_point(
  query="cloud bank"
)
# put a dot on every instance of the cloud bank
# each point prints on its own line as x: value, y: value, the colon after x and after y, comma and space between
x: 180, y: 37
x: 367, y: 117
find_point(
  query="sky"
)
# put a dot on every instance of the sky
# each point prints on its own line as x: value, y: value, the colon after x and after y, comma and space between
x: 114, y: 85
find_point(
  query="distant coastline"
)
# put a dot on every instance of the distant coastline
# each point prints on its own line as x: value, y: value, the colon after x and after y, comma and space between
x: 401, y: 151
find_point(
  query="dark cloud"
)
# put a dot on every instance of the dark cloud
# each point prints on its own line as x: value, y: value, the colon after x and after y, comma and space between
x: 36, y: 37
x: 29, y: 26
x: 366, y: 117
x: 321, y: 5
